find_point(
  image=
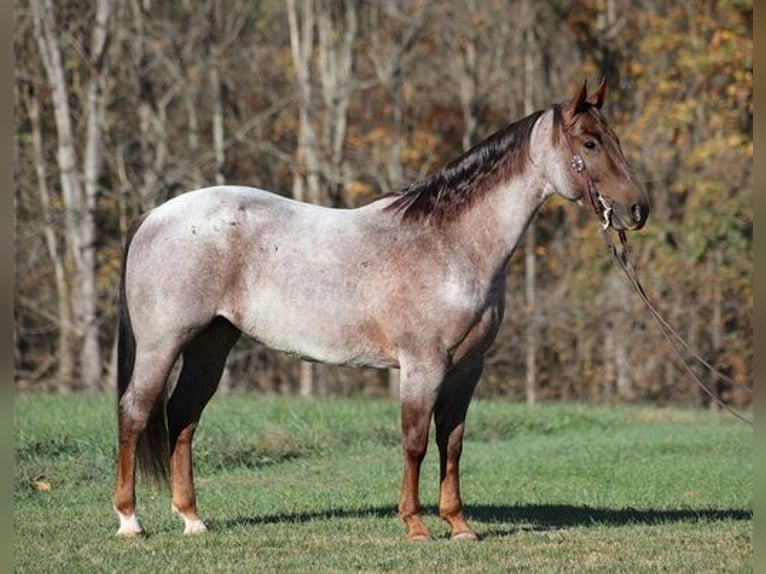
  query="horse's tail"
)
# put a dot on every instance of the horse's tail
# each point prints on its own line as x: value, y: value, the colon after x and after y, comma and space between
x: 153, y: 444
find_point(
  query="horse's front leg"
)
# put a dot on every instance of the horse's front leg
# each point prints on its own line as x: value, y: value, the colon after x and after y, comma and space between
x: 449, y: 414
x: 415, y: 421
x: 418, y: 393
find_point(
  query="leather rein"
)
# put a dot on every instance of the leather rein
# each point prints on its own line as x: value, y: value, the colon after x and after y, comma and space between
x: 621, y: 255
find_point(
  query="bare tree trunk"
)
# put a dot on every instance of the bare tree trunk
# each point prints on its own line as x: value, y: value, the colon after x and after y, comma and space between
x: 306, y: 176
x: 623, y: 380
x: 50, y: 54
x: 79, y: 188
x: 306, y: 179
x: 122, y: 192
x: 532, y: 335
x: 151, y: 124
x: 90, y: 356
x: 218, y: 132
x: 193, y: 136
x: 215, y: 93
x: 468, y: 93
x: 530, y: 243
x: 609, y: 372
x: 617, y: 378
x: 337, y: 25
x: 467, y: 71
x: 66, y: 346
x: 716, y: 323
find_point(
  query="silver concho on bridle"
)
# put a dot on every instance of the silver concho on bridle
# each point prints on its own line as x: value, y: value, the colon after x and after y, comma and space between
x: 577, y: 163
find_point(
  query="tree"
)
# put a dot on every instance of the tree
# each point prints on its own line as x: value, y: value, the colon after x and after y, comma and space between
x: 337, y: 26
x: 79, y: 181
x: 338, y: 102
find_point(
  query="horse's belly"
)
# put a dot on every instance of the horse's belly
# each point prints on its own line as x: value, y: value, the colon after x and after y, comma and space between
x: 326, y: 338
x: 331, y: 352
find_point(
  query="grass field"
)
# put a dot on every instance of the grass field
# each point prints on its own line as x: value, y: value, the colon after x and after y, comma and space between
x: 295, y: 485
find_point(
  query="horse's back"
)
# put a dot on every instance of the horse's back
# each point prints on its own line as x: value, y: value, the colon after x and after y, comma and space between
x: 214, y: 203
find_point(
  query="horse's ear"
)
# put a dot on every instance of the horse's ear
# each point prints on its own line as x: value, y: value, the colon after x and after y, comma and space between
x: 597, y: 98
x: 580, y: 102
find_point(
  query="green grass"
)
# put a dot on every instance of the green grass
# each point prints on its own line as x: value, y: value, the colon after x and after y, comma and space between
x: 311, y: 485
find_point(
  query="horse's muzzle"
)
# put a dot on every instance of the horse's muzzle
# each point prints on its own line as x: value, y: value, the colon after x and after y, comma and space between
x: 629, y: 218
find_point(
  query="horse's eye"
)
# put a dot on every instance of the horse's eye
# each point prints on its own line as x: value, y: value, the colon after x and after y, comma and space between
x: 590, y: 144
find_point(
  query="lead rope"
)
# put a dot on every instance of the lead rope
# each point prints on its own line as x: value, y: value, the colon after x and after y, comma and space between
x: 621, y: 256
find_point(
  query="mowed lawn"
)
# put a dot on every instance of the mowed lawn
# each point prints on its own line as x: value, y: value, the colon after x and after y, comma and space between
x: 297, y: 485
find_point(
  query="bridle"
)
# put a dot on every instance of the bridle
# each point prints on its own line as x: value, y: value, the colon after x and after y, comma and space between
x: 621, y: 255
x: 600, y: 205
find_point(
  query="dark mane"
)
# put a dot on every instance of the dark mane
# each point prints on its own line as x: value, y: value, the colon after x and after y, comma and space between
x: 453, y: 188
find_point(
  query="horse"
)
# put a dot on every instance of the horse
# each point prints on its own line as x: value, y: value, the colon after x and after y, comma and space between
x: 414, y: 280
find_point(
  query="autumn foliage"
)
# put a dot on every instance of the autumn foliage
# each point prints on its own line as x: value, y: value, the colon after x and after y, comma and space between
x: 338, y: 102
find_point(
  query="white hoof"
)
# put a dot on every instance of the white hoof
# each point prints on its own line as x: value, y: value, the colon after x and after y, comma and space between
x: 195, y: 526
x: 129, y: 526
x: 191, y: 525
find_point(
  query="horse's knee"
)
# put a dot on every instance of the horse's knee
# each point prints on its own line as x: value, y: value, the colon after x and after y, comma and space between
x: 132, y: 421
x: 415, y: 434
x: 414, y: 449
x: 454, y: 450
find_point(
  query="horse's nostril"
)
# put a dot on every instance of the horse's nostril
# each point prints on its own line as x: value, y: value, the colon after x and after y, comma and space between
x: 639, y: 213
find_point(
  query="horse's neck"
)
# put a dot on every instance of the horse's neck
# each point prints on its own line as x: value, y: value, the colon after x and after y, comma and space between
x: 496, y: 223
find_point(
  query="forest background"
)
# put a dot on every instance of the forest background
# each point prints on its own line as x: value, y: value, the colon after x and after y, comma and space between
x: 122, y: 104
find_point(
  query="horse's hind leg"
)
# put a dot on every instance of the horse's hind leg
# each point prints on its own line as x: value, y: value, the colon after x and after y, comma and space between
x: 203, y: 361
x: 139, y: 402
x: 449, y: 417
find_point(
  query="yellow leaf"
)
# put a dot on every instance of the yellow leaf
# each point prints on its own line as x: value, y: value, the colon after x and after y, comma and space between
x: 40, y: 484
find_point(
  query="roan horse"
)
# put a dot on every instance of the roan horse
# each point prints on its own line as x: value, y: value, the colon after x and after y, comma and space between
x: 414, y: 280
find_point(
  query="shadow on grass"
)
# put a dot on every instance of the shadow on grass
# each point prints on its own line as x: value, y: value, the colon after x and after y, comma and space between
x: 509, y: 520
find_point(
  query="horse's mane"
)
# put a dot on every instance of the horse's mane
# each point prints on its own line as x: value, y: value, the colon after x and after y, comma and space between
x: 449, y: 191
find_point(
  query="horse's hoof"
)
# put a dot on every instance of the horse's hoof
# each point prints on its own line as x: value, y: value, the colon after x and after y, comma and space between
x: 130, y: 532
x: 418, y: 537
x: 192, y: 522
x: 195, y: 527
x: 467, y: 535
x: 130, y: 527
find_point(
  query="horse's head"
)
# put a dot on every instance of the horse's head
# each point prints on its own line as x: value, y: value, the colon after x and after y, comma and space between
x: 596, y: 168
